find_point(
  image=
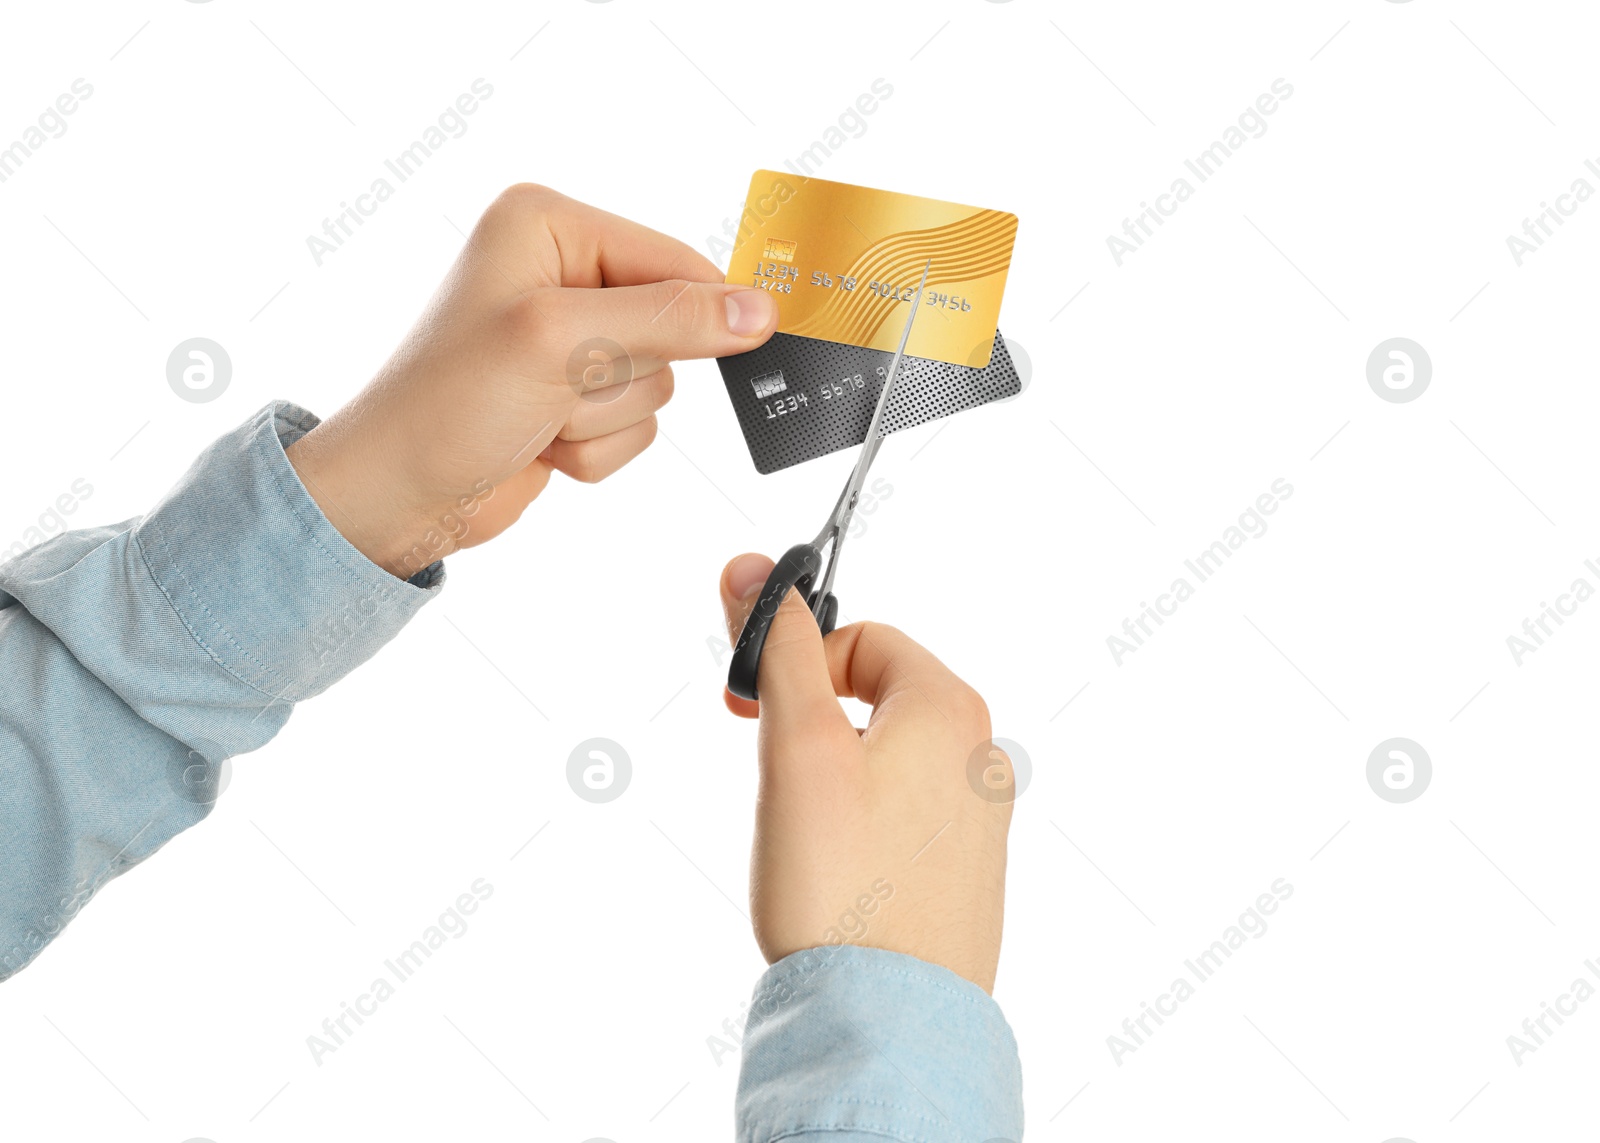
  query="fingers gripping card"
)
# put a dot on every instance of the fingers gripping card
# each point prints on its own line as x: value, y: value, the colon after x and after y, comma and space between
x: 799, y: 397
x: 843, y: 263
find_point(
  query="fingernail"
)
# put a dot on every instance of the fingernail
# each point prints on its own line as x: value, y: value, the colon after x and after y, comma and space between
x: 746, y: 576
x: 749, y: 311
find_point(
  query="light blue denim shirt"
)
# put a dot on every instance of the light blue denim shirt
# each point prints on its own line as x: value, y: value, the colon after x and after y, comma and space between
x: 136, y: 657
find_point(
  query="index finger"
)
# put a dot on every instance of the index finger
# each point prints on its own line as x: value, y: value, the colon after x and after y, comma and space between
x: 887, y: 669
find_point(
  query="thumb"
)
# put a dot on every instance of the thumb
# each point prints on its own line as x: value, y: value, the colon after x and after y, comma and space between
x: 665, y: 321
x: 796, y: 689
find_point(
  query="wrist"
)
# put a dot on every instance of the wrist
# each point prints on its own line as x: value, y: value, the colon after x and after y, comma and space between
x: 364, y: 494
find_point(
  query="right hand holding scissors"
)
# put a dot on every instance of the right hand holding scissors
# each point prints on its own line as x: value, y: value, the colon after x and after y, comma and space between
x: 842, y: 810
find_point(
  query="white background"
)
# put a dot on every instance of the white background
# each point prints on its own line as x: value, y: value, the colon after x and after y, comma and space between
x: 1174, y: 389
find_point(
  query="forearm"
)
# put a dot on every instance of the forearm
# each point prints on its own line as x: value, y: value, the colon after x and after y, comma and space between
x: 136, y: 658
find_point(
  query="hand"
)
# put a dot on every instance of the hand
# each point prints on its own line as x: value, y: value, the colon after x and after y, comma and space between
x: 874, y: 837
x: 513, y: 372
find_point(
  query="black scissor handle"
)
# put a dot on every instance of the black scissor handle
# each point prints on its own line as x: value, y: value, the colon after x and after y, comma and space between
x: 830, y: 612
x: 797, y: 569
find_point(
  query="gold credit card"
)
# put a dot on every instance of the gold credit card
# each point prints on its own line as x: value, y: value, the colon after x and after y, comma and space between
x: 844, y: 261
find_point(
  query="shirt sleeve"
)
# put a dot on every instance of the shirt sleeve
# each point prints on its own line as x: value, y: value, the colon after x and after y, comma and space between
x: 861, y: 1045
x: 136, y: 658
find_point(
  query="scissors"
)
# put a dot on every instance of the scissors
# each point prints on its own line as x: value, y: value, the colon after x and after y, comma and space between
x: 800, y: 565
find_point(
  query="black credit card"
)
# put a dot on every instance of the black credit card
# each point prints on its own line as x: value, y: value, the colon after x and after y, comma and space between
x: 798, y: 398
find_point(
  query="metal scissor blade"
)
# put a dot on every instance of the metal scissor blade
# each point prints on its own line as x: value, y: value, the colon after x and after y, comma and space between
x: 839, y: 522
x: 875, y: 430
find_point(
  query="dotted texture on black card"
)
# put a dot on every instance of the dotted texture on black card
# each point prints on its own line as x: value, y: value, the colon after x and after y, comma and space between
x: 822, y: 408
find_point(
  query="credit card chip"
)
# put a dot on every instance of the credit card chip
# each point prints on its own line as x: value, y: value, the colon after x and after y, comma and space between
x: 767, y: 384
